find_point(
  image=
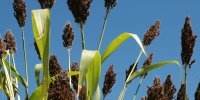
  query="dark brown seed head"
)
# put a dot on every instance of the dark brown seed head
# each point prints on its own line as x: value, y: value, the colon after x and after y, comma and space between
x: 46, y: 3
x: 129, y: 71
x: 74, y: 67
x: 19, y: 7
x: 37, y: 49
x: 54, y: 66
x: 169, y: 88
x: 197, y: 93
x: 109, y: 80
x: 181, y: 93
x: 151, y: 34
x: 59, y: 89
x: 68, y: 35
x: 10, y: 42
x: 82, y: 95
x: 110, y: 4
x: 2, y: 48
x: 146, y: 63
x: 79, y: 9
x: 156, y: 92
x: 188, y: 40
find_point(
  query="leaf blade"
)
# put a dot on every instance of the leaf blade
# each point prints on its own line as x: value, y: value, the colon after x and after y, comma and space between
x: 118, y: 41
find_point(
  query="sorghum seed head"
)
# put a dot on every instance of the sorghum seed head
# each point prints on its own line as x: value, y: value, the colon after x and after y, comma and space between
x: 82, y: 95
x: 146, y: 63
x: 129, y: 71
x: 187, y: 42
x: 68, y: 35
x: 109, y: 80
x: 79, y: 9
x: 46, y: 3
x: 197, y: 93
x: 54, y: 66
x: 59, y: 89
x: 10, y: 42
x: 151, y: 34
x: 156, y: 92
x: 181, y: 93
x: 169, y: 88
x: 2, y: 48
x: 19, y: 7
x: 110, y: 4
x: 74, y: 67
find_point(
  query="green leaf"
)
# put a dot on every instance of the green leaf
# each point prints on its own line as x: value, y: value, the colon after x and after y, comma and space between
x: 90, y: 66
x: 38, y: 68
x: 15, y: 73
x: 94, y: 73
x: 118, y: 41
x: 36, y: 95
x: 152, y: 67
x: 71, y: 73
x: 41, y: 30
x: 86, y: 59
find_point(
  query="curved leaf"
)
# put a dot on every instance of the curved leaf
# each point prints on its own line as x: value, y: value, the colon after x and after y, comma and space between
x: 15, y: 73
x: 118, y: 41
x: 93, y: 74
x: 41, y: 30
x: 152, y: 67
x: 90, y: 66
x: 36, y: 95
x: 86, y: 58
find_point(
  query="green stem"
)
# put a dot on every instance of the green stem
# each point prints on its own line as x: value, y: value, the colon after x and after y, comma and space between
x: 25, y: 61
x: 185, y: 81
x: 138, y: 87
x: 126, y: 84
x: 103, y: 29
x: 69, y: 68
x: 82, y: 35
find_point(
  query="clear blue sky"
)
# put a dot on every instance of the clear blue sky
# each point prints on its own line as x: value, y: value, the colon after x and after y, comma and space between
x: 134, y: 16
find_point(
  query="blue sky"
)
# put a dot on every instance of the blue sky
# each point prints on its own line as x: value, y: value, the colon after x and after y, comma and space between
x: 134, y: 16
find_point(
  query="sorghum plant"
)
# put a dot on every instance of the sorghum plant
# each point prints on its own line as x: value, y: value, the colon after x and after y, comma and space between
x: 188, y: 40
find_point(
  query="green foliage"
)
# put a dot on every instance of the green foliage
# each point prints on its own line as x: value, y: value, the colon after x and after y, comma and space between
x: 90, y: 66
x: 118, y: 41
x: 41, y: 30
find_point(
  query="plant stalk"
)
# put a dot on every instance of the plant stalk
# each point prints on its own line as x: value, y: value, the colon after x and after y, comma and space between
x: 82, y: 35
x: 25, y: 61
x: 125, y: 85
x: 69, y: 68
x: 185, y: 81
x: 138, y: 87
x: 103, y: 29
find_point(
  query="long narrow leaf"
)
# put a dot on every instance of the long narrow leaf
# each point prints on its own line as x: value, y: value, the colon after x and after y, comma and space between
x: 93, y: 74
x: 118, y: 41
x: 41, y: 30
x: 90, y: 66
x: 152, y: 67
x: 15, y: 73
x: 86, y: 59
